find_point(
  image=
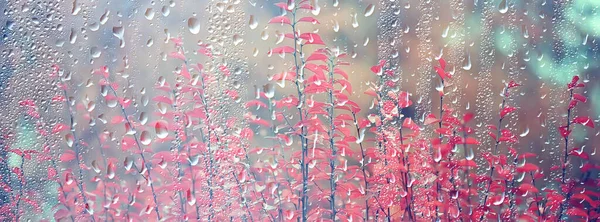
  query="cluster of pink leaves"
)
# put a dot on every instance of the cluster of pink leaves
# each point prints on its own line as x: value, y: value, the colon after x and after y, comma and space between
x: 322, y: 158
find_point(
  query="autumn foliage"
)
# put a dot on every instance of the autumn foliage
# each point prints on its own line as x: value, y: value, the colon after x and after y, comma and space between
x: 307, y: 153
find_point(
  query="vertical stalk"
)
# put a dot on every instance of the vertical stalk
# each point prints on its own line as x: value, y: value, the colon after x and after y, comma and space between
x: 137, y: 142
x: 364, y: 173
x: 331, y: 134
x: 565, y: 158
x: 303, y: 164
x: 79, y: 180
x: 497, y: 143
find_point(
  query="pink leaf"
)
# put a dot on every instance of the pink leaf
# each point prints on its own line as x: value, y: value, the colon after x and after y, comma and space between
x: 177, y: 55
x: 283, y: 49
x: 117, y: 119
x: 184, y: 72
x: 317, y: 56
x: 430, y: 119
x: 67, y: 156
x: 163, y: 99
x: 280, y: 19
x: 312, y: 38
x: 309, y: 19
x: 584, y: 120
x: 59, y: 127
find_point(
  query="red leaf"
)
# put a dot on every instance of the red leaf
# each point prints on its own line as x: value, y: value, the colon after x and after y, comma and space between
x: 528, y: 167
x: 312, y: 38
x: 468, y: 117
x: 513, y: 84
x: 577, y: 212
x: 564, y: 132
x: 67, y: 156
x: 573, y: 83
x: 584, y: 120
x: 430, y: 119
x: 340, y: 72
x: 471, y: 140
x: 51, y: 173
x: 309, y: 19
x: 440, y: 72
x: 442, y: 63
x: 527, y: 187
x: 280, y: 19
x: 507, y: 110
x: 579, y: 97
x: 317, y: 56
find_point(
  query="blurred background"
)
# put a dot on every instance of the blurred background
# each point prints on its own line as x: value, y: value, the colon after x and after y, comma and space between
x: 539, y: 43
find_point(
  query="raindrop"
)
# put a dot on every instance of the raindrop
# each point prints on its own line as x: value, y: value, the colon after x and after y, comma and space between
x: 467, y: 62
x: 503, y: 7
x: 160, y: 129
x: 369, y: 10
x: 95, y: 52
x: 253, y: 23
x: 145, y: 138
x: 194, y: 25
x: 149, y: 14
x: 354, y: 21
x: 70, y: 139
x: 525, y: 132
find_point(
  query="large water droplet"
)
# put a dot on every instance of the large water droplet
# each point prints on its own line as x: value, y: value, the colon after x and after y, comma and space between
x: 194, y: 25
x: 253, y: 23
x: 369, y: 10
x: 161, y: 129
x: 503, y: 7
x: 145, y: 138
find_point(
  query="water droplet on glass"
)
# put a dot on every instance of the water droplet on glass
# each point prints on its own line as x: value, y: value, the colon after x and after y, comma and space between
x: 369, y: 10
x: 160, y: 128
x: 503, y: 7
x: 145, y: 138
x: 253, y: 23
x: 193, y: 25
x: 467, y: 62
x: 149, y: 14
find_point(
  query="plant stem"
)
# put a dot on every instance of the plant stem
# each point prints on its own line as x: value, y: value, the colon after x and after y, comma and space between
x: 79, y: 181
x: 364, y: 173
x: 137, y: 142
x: 331, y: 134
x: 497, y: 140
x: 566, y: 156
x: 303, y: 164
